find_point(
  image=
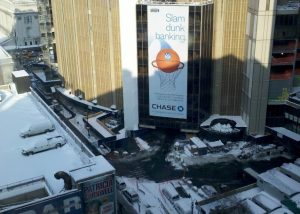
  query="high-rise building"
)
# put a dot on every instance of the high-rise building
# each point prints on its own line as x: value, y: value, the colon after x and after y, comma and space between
x: 88, y: 48
x: 47, y: 31
x: 222, y: 66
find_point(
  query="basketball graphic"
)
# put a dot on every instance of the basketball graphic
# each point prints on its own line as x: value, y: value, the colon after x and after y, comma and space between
x: 168, y: 67
x: 167, y: 60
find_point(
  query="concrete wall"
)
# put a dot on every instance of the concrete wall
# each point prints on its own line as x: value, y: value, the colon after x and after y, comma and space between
x: 259, y: 39
x: 27, y: 29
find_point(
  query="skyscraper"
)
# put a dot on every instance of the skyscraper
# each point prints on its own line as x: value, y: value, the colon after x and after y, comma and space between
x: 99, y: 43
x: 88, y: 48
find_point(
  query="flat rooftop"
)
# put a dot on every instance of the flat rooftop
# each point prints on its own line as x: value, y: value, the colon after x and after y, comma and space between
x: 16, y: 111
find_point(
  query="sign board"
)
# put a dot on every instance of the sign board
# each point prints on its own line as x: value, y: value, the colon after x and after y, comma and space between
x: 69, y: 202
x: 168, y: 60
x: 99, y: 195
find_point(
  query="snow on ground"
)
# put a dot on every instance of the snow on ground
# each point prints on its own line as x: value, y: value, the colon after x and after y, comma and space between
x: 151, y: 196
x: 143, y: 145
x: 224, y: 128
x: 17, y: 112
x: 181, y: 156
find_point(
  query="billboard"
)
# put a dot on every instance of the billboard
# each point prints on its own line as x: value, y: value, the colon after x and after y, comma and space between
x: 167, y: 60
x: 99, y: 195
x: 69, y: 202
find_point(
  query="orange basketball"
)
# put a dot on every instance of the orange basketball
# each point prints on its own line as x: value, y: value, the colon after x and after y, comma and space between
x: 167, y: 60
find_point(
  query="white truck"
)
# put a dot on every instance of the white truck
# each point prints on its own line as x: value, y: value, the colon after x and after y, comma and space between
x: 45, y: 144
x: 37, y: 128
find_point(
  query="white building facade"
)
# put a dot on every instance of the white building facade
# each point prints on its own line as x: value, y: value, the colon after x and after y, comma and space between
x: 19, y: 21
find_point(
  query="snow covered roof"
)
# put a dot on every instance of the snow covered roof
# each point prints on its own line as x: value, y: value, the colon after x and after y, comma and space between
x: 296, y: 199
x: 199, y: 143
x: 170, y: 189
x: 99, y: 128
x: 15, y: 113
x: 252, y: 207
x: 281, y: 211
x: 285, y: 132
x: 266, y: 202
x: 238, y: 119
x: 98, y: 166
x: 297, y: 162
x: 20, y: 73
x: 185, y: 205
x: 280, y: 181
x: 5, y: 58
x: 215, y: 144
x: 292, y: 168
x: 227, y: 201
x: 73, y: 97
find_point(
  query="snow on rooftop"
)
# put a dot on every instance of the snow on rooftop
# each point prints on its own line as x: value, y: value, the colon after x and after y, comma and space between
x: 4, y: 54
x: 224, y: 128
x: 98, y: 166
x: 103, y: 131
x: 296, y: 199
x: 20, y: 73
x: 286, y: 132
x: 292, y: 168
x: 281, y: 211
x: 266, y: 201
x: 15, y: 113
x: 238, y: 119
x: 68, y: 93
x: 252, y: 207
x: 199, y: 143
x: 185, y: 205
x: 143, y: 145
x: 280, y: 181
x: 231, y: 200
x: 297, y: 162
x: 213, y: 144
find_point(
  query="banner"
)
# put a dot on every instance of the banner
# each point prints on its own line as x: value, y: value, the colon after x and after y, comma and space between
x: 99, y: 195
x: 68, y: 202
x: 167, y: 60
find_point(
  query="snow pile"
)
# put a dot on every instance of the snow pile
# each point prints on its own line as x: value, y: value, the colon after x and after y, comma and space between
x: 224, y: 128
x: 143, y: 145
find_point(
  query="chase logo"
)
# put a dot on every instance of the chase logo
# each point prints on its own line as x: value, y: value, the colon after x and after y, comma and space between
x: 180, y: 108
x: 154, y: 10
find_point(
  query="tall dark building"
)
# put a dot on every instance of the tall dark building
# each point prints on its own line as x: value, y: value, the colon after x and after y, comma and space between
x: 179, y: 99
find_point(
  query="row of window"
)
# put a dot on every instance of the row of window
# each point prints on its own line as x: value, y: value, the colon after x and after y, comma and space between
x: 31, y: 43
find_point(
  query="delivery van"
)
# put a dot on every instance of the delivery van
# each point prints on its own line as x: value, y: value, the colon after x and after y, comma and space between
x: 45, y: 144
x: 37, y: 128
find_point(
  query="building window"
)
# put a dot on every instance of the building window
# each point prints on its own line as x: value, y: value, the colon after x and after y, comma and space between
x: 27, y: 19
x: 30, y: 42
x: 25, y: 43
x: 36, y: 42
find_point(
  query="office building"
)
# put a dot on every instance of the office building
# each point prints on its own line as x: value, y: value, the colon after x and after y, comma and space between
x: 223, y: 68
x: 88, y: 48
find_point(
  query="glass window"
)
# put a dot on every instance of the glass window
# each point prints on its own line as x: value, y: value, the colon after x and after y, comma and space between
x: 27, y: 19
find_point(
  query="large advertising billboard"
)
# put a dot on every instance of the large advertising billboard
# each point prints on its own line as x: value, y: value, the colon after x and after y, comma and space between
x: 167, y: 60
